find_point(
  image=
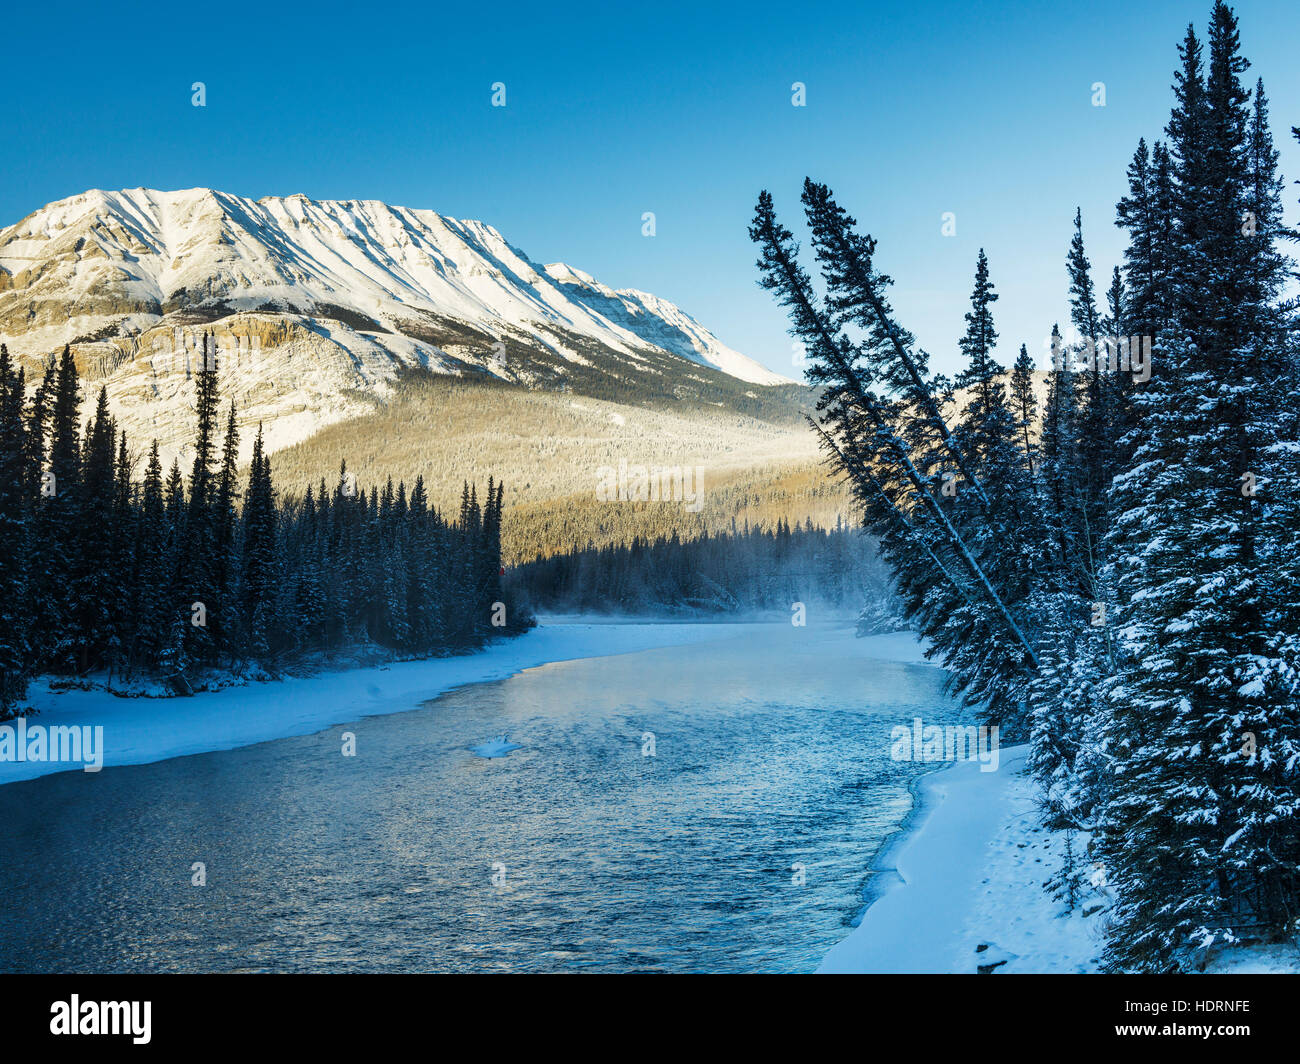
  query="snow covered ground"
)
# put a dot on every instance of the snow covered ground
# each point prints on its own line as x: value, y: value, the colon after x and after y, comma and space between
x: 965, y: 885
x: 965, y: 890
x: 140, y: 730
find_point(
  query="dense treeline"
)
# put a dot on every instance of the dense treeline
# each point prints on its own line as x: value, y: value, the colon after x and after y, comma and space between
x: 160, y: 577
x: 741, y: 571
x: 1114, y: 577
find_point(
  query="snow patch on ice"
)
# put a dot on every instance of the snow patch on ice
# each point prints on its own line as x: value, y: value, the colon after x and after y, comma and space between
x: 498, y: 747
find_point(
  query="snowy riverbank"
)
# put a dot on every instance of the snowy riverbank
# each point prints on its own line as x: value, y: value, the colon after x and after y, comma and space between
x: 140, y: 730
x: 964, y: 890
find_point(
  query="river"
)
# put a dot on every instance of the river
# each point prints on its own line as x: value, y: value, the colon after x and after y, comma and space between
x: 710, y: 807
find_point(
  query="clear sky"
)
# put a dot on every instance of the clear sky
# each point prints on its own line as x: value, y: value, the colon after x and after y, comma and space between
x: 913, y: 109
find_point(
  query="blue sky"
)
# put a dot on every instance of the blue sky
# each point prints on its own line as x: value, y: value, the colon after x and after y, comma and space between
x: 913, y: 109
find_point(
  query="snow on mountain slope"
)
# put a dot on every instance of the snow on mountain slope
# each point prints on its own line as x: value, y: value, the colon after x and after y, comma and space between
x: 316, y: 306
x: 659, y: 322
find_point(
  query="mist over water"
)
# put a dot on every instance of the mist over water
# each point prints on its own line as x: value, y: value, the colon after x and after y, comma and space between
x: 771, y: 750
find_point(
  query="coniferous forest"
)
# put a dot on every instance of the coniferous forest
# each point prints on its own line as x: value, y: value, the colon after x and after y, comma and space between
x: 109, y: 563
x: 1114, y: 577
x: 745, y: 570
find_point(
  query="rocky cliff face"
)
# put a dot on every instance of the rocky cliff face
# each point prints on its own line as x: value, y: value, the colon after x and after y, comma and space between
x: 316, y: 307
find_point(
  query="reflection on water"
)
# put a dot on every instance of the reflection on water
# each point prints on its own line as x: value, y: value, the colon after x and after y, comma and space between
x: 575, y: 852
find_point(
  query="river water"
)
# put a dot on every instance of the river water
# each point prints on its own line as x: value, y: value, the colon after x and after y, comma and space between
x: 741, y: 845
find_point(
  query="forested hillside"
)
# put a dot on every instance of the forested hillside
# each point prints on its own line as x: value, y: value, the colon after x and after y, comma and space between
x: 757, y: 460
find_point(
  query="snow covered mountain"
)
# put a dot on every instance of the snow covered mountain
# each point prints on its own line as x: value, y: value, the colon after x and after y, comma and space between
x: 317, y: 306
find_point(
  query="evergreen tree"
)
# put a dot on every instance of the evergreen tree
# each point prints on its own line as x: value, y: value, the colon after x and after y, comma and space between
x: 58, y: 525
x: 94, y: 557
x: 982, y: 375
x: 1147, y: 254
x: 1063, y: 480
x: 1001, y: 529
x: 15, y: 514
x: 225, y: 568
x: 259, y: 559
x: 150, y: 599
x: 1024, y: 406
x: 1098, y: 423
x: 197, y: 562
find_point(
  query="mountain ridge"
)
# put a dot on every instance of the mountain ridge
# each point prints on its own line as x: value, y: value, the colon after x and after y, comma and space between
x: 315, y: 307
